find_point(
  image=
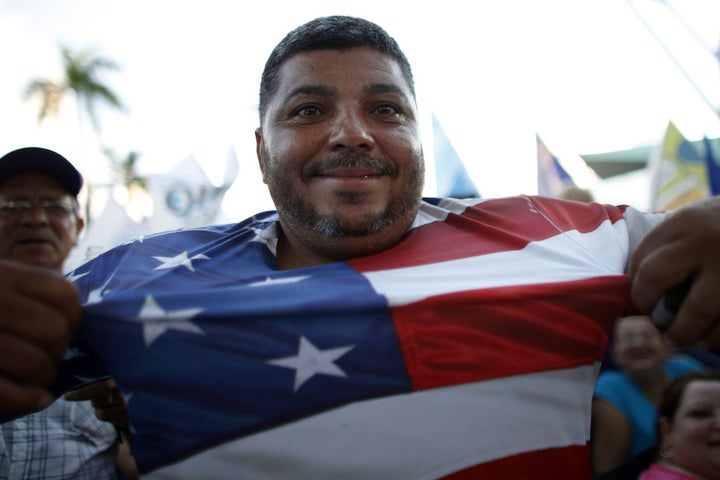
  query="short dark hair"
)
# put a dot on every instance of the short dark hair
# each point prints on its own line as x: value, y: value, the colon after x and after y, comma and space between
x: 329, y: 33
x: 673, y: 393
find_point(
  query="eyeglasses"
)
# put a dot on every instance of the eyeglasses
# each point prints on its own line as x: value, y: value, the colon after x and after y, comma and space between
x: 637, y: 337
x: 19, y: 207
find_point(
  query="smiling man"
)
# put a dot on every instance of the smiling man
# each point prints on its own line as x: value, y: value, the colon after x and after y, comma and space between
x: 361, y: 331
x: 340, y: 151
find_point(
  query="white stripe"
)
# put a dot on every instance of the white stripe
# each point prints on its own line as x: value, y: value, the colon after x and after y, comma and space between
x: 423, y: 435
x: 430, y: 213
x: 568, y: 256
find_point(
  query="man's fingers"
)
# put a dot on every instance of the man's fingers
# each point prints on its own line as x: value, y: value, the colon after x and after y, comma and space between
x: 40, y: 311
x: 106, y: 400
x: 38, y: 306
x: 92, y: 391
x: 25, y: 361
x: 118, y: 415
x: 653, y: 277
x: 699, y: 314
x: 18, y: 399
x: 685, y: 243
x: 44, y: 286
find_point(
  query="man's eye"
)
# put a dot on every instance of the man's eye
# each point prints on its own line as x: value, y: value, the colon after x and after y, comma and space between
x: 387, y: 109
x: 307, y: 111
x: 57, y: 210
x: 15, y: 208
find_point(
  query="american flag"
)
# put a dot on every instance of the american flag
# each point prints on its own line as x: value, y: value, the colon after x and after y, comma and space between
x: 468, y: 350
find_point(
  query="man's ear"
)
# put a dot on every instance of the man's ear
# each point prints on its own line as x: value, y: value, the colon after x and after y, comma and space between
x: 259, y: 152
x: 79, y: 226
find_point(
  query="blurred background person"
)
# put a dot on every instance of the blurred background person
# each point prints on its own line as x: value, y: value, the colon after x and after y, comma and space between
x: 625, y: 402
x: 688, y: 429
x: 577, y: 194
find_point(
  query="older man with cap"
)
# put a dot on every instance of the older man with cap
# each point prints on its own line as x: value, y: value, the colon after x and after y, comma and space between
x: 39, y: 225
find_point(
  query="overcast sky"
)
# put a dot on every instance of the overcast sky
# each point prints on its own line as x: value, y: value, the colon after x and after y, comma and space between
x: 588, y: 76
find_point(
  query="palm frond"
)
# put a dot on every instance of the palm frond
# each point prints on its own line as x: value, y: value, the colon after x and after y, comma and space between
x: 51, y: 95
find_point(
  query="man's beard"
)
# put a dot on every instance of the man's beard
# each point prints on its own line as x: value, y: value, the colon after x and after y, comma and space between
x: 293, y: 207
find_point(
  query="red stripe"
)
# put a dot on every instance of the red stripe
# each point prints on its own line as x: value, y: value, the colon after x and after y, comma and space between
x: 489, y: 227
x: 571, y: 463
x: 476, y: 335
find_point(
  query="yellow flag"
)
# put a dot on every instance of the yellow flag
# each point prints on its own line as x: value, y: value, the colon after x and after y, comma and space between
x: 679, y: 174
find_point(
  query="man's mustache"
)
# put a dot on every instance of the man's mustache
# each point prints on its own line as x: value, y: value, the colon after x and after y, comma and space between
x: 33, y: 234
x: 354, y: 160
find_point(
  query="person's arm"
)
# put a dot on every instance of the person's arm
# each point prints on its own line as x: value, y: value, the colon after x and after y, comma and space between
x: 110, y: 407
x: 106, y: 400
x: 40, y: 310
x: 610, y: 437
x: 686, y: 244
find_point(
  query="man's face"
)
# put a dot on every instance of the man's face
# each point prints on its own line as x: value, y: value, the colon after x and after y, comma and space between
x: 340, y: 152
x: 37, y: 237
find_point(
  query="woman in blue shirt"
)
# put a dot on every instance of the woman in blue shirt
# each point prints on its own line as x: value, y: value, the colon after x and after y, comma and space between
x: 625, y: 403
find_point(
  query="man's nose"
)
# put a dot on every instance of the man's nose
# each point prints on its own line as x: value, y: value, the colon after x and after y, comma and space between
x: 350, y: 130
x: 36, y: 215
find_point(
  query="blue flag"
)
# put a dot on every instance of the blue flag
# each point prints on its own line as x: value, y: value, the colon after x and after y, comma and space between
x: 452, y: 177
x: 553, y: 179
x: 713, y: 170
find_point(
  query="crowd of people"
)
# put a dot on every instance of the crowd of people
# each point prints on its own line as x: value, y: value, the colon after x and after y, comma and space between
x: 624, y: 408
x: 360, y: 330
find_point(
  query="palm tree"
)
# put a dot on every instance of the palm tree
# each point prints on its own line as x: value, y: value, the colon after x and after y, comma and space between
x: 125, y: 169
x: 138, y: 204
x: 81, y: 71
x: 80, y: 76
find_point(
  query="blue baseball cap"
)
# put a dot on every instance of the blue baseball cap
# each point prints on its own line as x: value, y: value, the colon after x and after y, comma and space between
x: 42, y: 160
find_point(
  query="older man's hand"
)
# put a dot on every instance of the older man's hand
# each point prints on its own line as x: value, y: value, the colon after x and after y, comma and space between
x: 40, y: 311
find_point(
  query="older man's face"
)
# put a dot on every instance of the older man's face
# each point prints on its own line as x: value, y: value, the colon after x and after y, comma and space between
x: 44, y: 233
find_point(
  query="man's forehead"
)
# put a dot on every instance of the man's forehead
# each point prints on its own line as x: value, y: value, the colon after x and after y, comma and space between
x: 31, y: 181
x: 367, y: 64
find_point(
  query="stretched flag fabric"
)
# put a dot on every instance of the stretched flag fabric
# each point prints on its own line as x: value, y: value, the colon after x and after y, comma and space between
x: 468, y: 350
x: 452, y: 177
x: 713, y: 169
x: 678, y: 172
x: 552, y: 177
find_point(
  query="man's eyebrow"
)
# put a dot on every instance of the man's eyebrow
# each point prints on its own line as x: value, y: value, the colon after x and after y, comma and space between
x: 376, y: 88
x: 318, y: 90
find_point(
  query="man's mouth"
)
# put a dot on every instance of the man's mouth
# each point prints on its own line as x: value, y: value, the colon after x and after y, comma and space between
x: 32, y: 240
x: 352, y: 173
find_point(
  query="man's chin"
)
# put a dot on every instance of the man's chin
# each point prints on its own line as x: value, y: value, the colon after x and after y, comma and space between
x: 39, y: 256
x: 340, y: 226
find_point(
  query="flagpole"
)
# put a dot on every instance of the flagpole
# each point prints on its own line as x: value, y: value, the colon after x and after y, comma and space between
x: 667, y: 51
x: 691, y: 31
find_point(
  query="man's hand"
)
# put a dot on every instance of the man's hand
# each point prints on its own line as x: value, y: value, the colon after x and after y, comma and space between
x: 106, y: 400
x: 686, y: 244
x: 39, y: 311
